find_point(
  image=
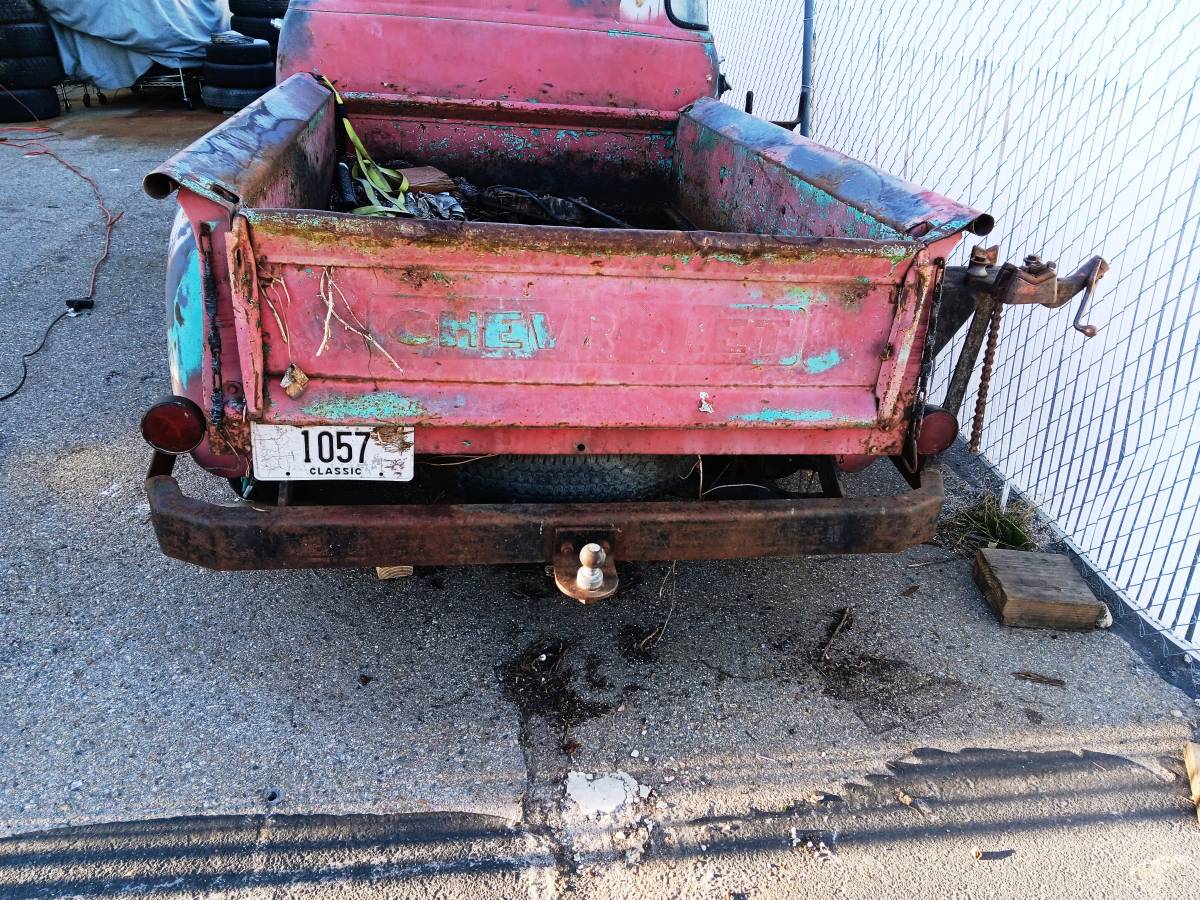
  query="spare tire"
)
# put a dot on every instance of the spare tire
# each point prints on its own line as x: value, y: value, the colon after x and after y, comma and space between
x: 17, y: 11
x: 264, y: 9
x: 30, y: 72
x: 254, y: 75
x: 247, y: 51
x: 593, y: 479
x: 27, y: 39
x: 252, y: 26
x: 29, y: 105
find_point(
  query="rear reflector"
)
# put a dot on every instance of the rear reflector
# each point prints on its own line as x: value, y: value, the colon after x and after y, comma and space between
x: 938, y: 431
x: 175, y: 425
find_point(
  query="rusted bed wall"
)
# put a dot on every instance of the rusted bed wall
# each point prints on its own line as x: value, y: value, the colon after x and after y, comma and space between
x: 735, y: 172
x: 613, y: 157
x: 276, y: 153
x: 729, y: 180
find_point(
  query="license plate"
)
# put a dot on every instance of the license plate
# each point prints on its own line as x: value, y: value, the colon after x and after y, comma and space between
x: 320, y: 453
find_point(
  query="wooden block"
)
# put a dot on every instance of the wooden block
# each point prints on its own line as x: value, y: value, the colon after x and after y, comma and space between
x: 1038, y: 590
x: 383, y: 573
x: 429, y: 179
x: 1191, y: 759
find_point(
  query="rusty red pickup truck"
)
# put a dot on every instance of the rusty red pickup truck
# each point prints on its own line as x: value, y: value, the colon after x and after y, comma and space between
x: 682, y: 377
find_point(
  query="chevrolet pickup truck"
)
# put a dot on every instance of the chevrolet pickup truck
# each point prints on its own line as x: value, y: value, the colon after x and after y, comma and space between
x: 389, y: 390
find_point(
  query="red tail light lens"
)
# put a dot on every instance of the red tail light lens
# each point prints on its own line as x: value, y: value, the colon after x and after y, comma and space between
x: 175, y: 425
x: 938, y: 431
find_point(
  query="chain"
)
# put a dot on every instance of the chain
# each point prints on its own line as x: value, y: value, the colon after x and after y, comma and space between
x: 985, y: 376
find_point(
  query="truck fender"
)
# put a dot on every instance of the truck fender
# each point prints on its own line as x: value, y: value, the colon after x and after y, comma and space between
x: 185, y: 310
x: 186, y: 335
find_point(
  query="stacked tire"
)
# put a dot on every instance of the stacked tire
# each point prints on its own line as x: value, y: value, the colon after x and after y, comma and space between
x: 253, y: 18
x: 237, y: 71
x: 240, y: 67
x: 29, y: 64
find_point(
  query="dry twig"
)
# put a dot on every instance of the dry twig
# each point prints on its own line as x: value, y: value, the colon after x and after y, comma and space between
x: 847, y: 618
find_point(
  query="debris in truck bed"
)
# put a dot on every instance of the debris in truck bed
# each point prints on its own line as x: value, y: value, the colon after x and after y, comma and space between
x: 384, y: 187
x: 410, y: 204
x: 466, y: 190
x: 434, y: 206
x: 345, y: 198
x: 427, y: 179
x: 362, y: 186
x: 546, y: 208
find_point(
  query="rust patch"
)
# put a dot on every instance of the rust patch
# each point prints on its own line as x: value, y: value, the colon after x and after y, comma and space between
x: 294, y: 381
x: 393, y: 437
x: 851, y: 297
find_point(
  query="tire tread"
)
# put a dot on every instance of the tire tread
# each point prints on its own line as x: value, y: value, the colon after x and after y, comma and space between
x: 594, y: 478
x: 30, y: 71
x: 253, y: 75
x: 42, y: 104
x: 24, y: 39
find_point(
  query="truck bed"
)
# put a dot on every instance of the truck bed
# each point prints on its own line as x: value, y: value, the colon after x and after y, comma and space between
x: 791, y: 320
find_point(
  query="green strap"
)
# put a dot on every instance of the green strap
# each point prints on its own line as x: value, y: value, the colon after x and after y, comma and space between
x: 385, y: 187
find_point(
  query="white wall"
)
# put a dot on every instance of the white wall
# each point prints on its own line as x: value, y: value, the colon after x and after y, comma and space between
x: 1077, y: 125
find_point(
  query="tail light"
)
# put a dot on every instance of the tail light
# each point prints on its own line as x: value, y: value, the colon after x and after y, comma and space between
x: 175, y: 425
x: 938, y: 431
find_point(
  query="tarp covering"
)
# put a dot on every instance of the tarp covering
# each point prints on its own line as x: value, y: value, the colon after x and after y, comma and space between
x: 112, y: 42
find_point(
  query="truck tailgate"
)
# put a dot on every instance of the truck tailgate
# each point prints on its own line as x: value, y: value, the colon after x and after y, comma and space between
x: 527, y: 339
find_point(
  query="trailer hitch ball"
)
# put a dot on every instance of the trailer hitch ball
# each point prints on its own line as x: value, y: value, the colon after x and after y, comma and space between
x: 591, y: 572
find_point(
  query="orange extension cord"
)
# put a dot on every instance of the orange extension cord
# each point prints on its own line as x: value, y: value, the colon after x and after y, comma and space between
x: 33, y: 146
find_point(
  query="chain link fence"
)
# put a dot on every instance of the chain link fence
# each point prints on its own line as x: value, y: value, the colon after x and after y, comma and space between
x: 1077, y: 125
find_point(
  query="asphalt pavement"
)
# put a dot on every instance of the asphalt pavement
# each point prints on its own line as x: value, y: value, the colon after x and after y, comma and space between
x: 469, y: 732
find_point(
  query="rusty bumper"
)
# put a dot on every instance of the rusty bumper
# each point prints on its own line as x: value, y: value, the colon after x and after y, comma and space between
x: 250, y: 536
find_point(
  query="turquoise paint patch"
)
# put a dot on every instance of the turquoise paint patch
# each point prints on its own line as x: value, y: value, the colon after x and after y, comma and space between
x: 515, y: 142
x: 497, y: 335
x: 414, y: 340
x: 383, y: 406
x: 802, y: 297
x: 787, y: 415
x: 185, y: 336
x: 541, y: 332
x: 706, y: 139
x: 380, y: 406
x: 513, y: 334
x: 463, y: 334
x: 784, y: 307
x: 617, y: 32
x: 822, y: 362
x: 857, y: 223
